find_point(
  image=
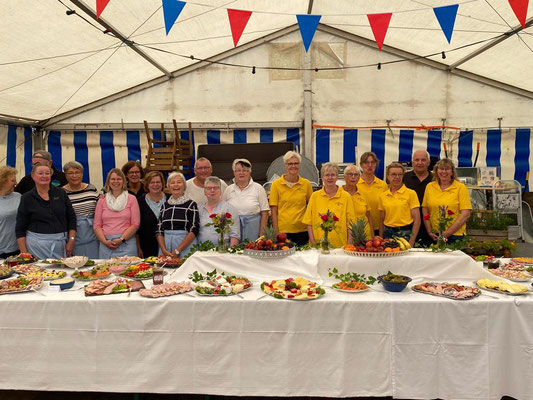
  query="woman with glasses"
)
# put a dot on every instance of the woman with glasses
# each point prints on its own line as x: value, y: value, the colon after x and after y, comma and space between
x: 371, y: 186
x: 449, y: 196
x: 83, y: 197
x: 352, y: 173
x: 288, y: 200
x: 134, y: 174
x: 399, y: 207
x: 333, y: 198
x: 150, y: 205
x: 215, y: 205
x: 249, y: 199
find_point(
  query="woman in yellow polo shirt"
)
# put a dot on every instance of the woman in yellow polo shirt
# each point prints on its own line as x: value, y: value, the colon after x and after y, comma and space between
x: 448, y: 193
x: 352, y: 173
x: 399, y: 207
x: 371, y: 186
x: 332, y: 198
x: 288, y: 200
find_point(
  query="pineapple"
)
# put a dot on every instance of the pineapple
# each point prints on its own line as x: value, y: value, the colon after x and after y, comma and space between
x: 269, y: 236
x: 358, y: 231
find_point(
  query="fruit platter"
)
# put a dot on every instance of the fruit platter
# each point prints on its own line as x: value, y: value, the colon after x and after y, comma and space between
x: 120, y: 285
x: 222, y: 285
x: 167, y: 289
x: 22, y: 258
x: 139, y: 271
x: 450, y: 290
x: 47, y: 275
x: 293, y: 289
x: 169, y: 262
x: 94, y: 273
x: 377, y: 247
x: 20, y: 284
x: 511, y: 274
x: 5, y: 271
x: 270, y: 245
x: 512, y: 289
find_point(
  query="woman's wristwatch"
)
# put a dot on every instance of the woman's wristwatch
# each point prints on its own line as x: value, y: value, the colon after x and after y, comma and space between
x: 177, y: 252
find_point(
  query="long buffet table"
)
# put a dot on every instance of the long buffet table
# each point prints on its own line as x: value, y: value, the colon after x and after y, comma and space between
x: 406, y: 345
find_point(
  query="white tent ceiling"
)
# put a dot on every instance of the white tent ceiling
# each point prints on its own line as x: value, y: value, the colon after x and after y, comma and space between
x: 53, y: 63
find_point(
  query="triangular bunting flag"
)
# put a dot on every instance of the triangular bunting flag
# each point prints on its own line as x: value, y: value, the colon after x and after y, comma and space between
x: 100, y: 5
x: 446, y: 17
x: 308, y: 24
x: 237, y: 22
x: 520, y: 10
x: 171, y: 12
x: 379, y: 24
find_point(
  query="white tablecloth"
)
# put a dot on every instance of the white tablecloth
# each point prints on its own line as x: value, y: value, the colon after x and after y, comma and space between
x: 408, y: 345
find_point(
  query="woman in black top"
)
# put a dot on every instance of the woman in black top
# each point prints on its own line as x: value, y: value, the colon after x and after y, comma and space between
x: 150, y: 205
x: 179, y: 221
x: 134, y: 175
x: 46, y: 222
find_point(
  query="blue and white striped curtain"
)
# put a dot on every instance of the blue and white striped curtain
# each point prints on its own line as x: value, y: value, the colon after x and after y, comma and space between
x: 509, y: 149
x: 16, y: 148
x: 100, y: 151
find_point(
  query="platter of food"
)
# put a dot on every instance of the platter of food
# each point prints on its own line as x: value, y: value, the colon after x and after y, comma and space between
x: 23, y: 269
x: 523, y: 260
x: 126, y: 260
x: 169, y: 262
x: 98, y: 272
x: 512, y: 289
x: 511, y: 274
x: 270, y: 246
x: 76, y: 261
x: 379, y: 247
x: 20, y: 285
x: 47, y: 275
x: 150, y: 260
x: 120, y: 285
x: 293, y: 289
x: 222, y: 285
x: 139, y: 271
x: 167, y: 289
x: 50, y: 262
x: 5, y: 271
x: 22, y: 258
x: 351, y: 287
x: 452, y: 291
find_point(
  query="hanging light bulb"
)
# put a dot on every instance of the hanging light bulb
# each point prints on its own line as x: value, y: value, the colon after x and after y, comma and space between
x: 253, y: 69
x: 443, y: 55
x: 379, y: 66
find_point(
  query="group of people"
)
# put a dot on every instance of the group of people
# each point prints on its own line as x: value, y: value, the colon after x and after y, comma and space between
x: 53, y: 214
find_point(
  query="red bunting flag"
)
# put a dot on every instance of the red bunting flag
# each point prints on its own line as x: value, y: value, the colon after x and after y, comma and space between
x: 379, y: 24
x: 237, y: 21
x: 100, y: 5
x: 520, y: 10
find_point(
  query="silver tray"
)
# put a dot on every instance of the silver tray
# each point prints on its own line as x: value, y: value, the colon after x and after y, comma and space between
x: 501, y: 292
x: 223, y: 295
x: 25, y: 290
x: 444, y: 295
x: 263, y: 254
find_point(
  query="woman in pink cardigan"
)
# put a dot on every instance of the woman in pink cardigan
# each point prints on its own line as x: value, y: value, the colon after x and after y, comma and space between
x: 116, y: 218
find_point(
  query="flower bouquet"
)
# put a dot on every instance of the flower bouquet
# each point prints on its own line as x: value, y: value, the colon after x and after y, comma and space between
x: 222, y: 223
x: 444, y: 221
x: 329, y: 220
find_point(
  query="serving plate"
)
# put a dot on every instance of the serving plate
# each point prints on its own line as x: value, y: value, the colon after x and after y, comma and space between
x: 265, y: 255
x: 477, y: 293
x: 501, y: 291
x: 350, y: 291
x: 376, y: 255
x: 33, y: 285
x: 222, y: 295
x: 298, y: 284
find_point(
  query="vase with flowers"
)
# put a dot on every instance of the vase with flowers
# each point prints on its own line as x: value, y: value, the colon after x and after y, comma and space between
x: 329, y: 220
x: 222, y: 223
x: 444, y: 221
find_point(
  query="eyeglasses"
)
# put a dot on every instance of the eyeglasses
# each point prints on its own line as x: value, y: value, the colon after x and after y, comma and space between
x: 238, y: 171
x: 74, y: 173
x: 134, y: 172
x: 292, y: 164
x: 352, y: 174
x: 202, y: 168
x: 211, y: 188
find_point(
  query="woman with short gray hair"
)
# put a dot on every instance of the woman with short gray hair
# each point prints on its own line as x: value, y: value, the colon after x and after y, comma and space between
x: 83, y: 197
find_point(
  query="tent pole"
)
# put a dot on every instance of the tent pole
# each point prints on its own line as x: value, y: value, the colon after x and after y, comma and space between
x: 308, y: 107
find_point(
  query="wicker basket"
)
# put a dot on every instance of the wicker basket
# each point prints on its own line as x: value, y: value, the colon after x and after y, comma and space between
x: 377, y: 255
x: 263, y: 254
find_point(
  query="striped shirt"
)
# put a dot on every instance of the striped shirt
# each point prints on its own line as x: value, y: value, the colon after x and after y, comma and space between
x: 179, y: 217
x: 84, y: 200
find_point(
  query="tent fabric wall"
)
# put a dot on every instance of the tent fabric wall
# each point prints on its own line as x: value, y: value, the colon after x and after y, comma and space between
x: 100, y: 151
x: 16, y: 148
